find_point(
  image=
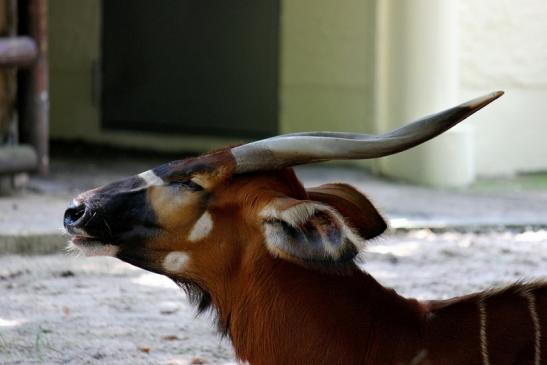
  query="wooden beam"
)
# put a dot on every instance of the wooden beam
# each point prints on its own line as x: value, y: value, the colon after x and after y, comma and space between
x: 18, y: 158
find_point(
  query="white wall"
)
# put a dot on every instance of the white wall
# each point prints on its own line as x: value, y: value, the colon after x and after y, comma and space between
x: 417, y: 75
x: 504, y: 46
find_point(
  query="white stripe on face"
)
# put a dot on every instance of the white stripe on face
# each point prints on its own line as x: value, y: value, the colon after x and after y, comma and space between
x: 151, y: 178
x: 176, y: 261
x: 201, y: 228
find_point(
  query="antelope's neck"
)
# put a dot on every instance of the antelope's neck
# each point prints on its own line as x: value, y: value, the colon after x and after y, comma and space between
x: 284, y: 314
x: 279, y: 313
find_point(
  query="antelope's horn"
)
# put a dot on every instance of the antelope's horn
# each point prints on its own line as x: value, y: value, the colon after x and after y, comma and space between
x: 300, y: 148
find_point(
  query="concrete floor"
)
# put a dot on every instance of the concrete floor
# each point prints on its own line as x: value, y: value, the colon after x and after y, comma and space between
x: 57, y: 309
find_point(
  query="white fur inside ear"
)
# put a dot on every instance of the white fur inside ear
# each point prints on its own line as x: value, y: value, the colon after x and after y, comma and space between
x: 202, y: 227
x: 296, y: 216
x: 151, y: 178
x: 293, y: 216
x: 176, y: 261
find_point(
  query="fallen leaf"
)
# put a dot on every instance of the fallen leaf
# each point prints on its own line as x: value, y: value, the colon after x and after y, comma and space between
x: 170, y: 338
x: 144, y: 349
x: 197, y: 361
x: 168, y: 311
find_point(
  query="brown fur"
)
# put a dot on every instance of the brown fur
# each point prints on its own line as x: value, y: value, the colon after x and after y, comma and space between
x: 276, y: 312
x: 353, y: 205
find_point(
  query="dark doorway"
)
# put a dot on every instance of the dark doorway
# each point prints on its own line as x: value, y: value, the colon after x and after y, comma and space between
x: 198, y: 67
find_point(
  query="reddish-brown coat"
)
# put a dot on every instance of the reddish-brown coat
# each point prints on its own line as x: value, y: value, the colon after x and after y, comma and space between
x: 276, y: 312
x: 313, y: 309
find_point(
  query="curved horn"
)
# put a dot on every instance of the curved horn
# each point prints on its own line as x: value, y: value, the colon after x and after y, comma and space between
x: 299, y: 148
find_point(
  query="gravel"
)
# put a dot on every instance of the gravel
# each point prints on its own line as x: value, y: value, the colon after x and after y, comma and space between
x: 58, y: 309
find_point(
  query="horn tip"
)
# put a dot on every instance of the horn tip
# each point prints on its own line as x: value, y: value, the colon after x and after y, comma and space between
x: 497, y: 94
x: 482, y: 101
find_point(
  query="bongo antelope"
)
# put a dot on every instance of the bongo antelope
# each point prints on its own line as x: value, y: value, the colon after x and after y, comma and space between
x: 237, y: 230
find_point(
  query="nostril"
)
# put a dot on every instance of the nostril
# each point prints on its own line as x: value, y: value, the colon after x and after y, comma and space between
x: 73, y: 215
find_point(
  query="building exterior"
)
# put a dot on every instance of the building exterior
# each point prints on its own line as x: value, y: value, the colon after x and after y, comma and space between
x: 351, y: 65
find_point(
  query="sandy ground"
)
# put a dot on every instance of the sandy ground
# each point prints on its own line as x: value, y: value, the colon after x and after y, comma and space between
x: 67, y: 310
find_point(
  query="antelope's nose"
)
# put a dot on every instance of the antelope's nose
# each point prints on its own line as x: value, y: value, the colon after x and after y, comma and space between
x: 75, y: 216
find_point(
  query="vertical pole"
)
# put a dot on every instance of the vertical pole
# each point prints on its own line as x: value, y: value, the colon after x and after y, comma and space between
x: 417, y: 75
x: 37, y: 110
x: 7, y: 76
x: 12, y: 75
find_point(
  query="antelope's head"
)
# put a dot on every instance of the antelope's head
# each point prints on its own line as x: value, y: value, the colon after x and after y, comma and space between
x: 200, y: 219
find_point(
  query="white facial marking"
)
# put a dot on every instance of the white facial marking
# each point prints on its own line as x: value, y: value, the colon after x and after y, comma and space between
x: 175, y: 261
x: 151, y: 178
x: 482, y: 331
x: 537, y: 328
x: 98, y: 249
x: 201, y: 228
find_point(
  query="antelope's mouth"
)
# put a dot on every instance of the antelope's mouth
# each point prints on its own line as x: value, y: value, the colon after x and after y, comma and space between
x: 81, y: 222
x: 91, y: 246
x: 84, y: 241
x: 86, y: 224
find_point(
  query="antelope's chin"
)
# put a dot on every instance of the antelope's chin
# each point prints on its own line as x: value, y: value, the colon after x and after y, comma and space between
x: 89, y: 246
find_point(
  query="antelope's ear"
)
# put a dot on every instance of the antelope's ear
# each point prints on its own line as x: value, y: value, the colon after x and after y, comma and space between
x: 355, y: 207
x: 309, y: 233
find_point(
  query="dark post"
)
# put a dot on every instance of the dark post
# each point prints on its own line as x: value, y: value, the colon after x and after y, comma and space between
x: 36, y: 113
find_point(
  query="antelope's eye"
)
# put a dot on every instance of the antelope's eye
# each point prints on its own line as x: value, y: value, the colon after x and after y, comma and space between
x: 186, y: 184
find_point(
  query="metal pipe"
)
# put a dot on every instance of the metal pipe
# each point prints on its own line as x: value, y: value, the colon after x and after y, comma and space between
x: 17, y: 51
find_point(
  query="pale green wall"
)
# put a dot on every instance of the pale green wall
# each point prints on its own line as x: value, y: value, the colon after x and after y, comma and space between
x: 327, y: 76
x: 74, y: 46
x: 327, y: 72
x: 327, y: 65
